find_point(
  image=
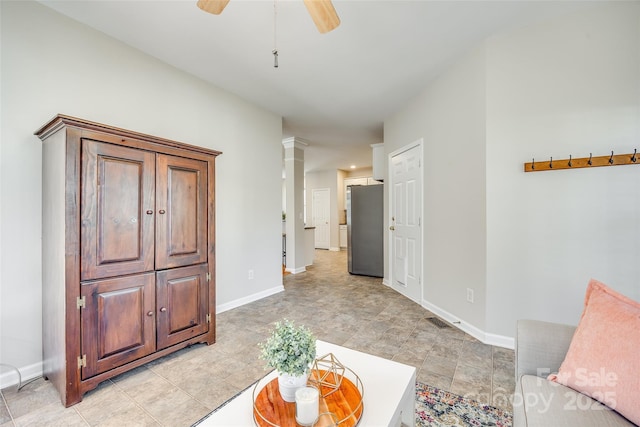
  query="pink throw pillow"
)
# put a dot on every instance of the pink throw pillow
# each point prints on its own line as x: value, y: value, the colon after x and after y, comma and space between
x: 603, y: 360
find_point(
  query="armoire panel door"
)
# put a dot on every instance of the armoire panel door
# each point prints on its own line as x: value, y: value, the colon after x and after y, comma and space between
x: 118, y: 322
x: 181, y: 203
x: 117, y: 204
x: 182, y: 301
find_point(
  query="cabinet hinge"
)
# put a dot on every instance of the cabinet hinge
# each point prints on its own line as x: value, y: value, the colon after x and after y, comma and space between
x: 80, y: 302
x: 208, y: 317
x: 82, y: 361
x: 208, y: 277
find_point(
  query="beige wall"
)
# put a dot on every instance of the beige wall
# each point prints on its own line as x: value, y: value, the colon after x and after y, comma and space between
x: 50, y: 65
x: 528, y: 243
x: 565, y: 87
x: 449, y: 116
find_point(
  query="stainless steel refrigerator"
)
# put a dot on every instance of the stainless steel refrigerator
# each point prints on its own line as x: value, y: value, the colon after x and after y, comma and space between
x: 365, y: 229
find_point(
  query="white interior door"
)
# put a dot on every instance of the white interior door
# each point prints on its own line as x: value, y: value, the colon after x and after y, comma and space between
x: 321, y: 219
x: 405, y: 235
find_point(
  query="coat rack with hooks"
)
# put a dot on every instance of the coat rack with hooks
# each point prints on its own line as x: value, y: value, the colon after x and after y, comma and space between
x: 583, y: 162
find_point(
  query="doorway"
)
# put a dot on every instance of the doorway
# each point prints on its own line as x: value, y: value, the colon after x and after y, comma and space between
x: 320, y: 208
x: 405, y: 213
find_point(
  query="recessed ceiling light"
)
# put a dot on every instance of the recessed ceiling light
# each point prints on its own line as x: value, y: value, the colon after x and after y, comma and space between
x: 353, y: 166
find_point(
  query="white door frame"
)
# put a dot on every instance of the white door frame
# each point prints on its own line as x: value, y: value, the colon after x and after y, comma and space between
x: 328, y: 219
x: 420, y: 145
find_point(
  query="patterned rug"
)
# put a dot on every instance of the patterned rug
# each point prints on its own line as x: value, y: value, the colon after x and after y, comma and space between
x: 439, y: 408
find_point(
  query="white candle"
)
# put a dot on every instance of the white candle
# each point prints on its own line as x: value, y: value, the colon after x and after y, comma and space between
x: 307, y: 405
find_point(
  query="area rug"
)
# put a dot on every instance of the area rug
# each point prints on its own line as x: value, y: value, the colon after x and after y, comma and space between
x: 439, y: 408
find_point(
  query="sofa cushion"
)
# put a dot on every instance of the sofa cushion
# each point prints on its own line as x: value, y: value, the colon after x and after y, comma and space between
x: 548, y: 404
x: 602, y: 361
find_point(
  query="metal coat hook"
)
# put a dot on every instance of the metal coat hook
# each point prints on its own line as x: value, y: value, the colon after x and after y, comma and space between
x: 583, y: 162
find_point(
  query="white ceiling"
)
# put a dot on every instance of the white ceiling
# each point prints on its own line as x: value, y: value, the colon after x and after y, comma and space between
x: 333, y: 90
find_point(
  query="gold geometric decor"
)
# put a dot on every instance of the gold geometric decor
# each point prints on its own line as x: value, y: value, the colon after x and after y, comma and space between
x: 326, y: 374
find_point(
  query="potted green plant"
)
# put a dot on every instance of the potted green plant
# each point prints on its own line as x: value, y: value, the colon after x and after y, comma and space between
x: 290, y: 350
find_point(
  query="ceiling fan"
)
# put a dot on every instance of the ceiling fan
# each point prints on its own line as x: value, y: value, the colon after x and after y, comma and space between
x: 322, y: 12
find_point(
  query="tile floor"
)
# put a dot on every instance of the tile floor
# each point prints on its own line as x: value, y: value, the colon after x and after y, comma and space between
x: 353, y: 311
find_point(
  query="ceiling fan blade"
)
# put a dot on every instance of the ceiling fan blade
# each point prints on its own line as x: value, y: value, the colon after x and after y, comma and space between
x: 213, y: 6
x: 323, y: 14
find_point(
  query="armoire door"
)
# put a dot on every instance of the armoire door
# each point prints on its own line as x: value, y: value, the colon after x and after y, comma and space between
x: 118, y: 322
x: 117, y: 210
x: 182, y: 304
x: 181, y: 203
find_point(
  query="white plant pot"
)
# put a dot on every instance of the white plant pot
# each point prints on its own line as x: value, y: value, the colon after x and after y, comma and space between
x: 288, y: 384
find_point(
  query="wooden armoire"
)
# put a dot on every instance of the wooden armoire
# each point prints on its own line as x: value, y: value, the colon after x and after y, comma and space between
x: 128, y: 251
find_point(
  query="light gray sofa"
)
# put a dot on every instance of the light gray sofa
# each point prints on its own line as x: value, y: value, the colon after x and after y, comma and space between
x: 540, y: 349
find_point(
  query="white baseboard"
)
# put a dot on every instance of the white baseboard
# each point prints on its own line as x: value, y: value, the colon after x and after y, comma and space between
x: 500, y: 340
x: 480, y: 335
x: 334, y: 249
x: 296, y: 270
x: 9, y: 377
x: 386, y: 282
x: 248, y: 299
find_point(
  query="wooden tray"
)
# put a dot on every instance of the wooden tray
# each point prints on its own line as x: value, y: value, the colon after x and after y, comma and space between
x: 270, y: 410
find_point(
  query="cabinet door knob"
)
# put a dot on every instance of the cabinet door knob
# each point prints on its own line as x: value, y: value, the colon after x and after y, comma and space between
x: 150, y: 313
x: 163, y: 309
x: 392, y: 228
x: 161, y: 212
x: 149, y: 212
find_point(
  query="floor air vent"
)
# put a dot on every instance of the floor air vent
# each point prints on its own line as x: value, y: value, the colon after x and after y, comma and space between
x: 439, y: 323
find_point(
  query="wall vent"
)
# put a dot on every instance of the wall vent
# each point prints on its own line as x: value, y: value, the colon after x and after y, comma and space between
x: 439, y: 323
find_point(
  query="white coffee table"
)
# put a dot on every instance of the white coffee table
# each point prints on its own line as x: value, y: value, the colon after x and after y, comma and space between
x: 389, y: 392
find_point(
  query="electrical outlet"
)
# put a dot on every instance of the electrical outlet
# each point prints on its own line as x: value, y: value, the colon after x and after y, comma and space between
x: 470, y: 295
x: 250, y: 275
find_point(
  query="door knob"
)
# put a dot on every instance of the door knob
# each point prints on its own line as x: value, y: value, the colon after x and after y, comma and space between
x: 392, y: 228
x: 161, y: 211
x: 163, y: 309
x: 150, y: 313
